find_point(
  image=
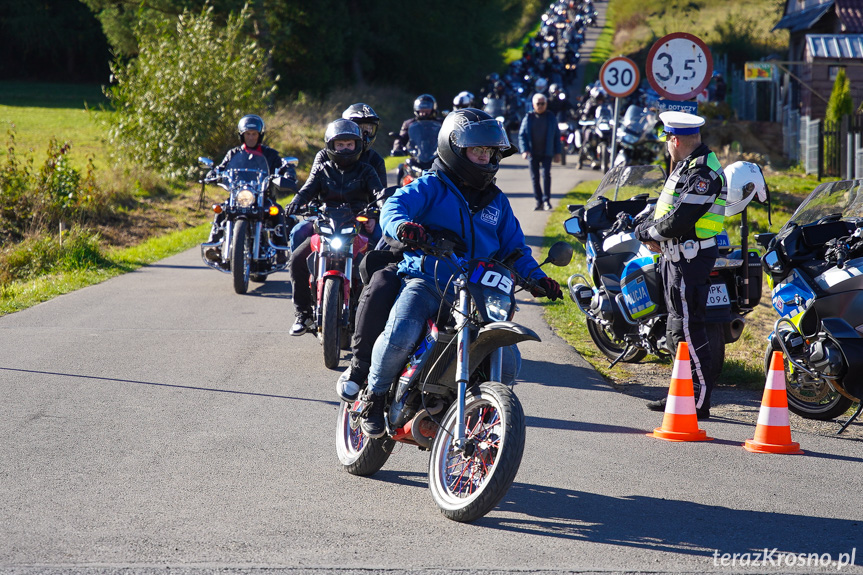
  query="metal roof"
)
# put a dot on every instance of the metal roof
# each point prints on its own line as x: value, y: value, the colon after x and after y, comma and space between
x: 835, y: 45
x: 850, y: 13
x: 803, y: 19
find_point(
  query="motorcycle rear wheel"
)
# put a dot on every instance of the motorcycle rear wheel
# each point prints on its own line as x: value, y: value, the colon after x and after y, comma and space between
x: 807, y: 398
x: 359, y: 454
x: 468, y: 484
x: 610, y: 346
x: 241, y: 256
x: 331, y: 324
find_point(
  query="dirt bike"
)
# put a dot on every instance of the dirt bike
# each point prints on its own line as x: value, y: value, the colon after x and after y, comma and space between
x: 337, y: 244
x: 623, y: 300
x: 814, y: 266
x: 245, y: 248
x: 449, y: 399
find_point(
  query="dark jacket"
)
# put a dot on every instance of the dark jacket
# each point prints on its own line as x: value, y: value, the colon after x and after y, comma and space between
x: 370, y: 157
x: 403, y: 138
x: 552, y: 135
x: 355, y: 186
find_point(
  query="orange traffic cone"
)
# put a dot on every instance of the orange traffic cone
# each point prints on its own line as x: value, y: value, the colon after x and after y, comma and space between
x: 680, y: 422
x: 773, y: 432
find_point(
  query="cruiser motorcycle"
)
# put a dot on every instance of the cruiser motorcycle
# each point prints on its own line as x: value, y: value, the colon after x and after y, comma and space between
x: 814, y: 266
x: 449, y: 398
x: 337, y: 244
x: 623, y: 300
x: 245, y: 248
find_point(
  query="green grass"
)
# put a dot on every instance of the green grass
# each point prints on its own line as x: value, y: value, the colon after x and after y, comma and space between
x: 42, y: 111
x: 20, y: 295
x: 392, y: 162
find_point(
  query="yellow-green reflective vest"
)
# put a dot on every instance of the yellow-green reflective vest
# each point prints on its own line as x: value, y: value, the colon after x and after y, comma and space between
x: 711, y: 223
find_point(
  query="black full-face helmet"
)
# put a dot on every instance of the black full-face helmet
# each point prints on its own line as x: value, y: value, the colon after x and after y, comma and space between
x: 362, y: 114
x: 464, y: 129
x: 251, y: 122
x: 343, y: 130
x: 425, y: 107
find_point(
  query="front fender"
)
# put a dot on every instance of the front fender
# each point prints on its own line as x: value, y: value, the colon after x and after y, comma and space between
x: 491, y: 337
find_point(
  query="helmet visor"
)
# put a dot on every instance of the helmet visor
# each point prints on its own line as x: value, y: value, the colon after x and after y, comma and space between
x: 484, y: 133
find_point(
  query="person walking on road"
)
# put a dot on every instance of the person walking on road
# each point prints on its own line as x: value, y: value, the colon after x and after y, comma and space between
x: 689, y: 214
x: 539, y: 140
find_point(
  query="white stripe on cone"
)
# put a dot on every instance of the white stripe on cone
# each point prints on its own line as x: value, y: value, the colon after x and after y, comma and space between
x: 680, y: 405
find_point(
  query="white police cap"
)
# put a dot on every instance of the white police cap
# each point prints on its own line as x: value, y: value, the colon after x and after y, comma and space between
x: 681, y: 123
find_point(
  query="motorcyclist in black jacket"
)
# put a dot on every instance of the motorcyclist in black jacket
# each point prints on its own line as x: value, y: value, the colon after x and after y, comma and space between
x: 341, y: 179
x: 251, y: 131
x: 425, y: 109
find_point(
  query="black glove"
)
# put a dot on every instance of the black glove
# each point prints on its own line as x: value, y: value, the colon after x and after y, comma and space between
x: 623, y: 222
x: 291, y: 209
x: 411, y: 233
x: 547, y: 287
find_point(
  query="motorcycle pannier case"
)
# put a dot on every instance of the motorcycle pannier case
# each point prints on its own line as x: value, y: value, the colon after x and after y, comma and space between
x: 642, y: 288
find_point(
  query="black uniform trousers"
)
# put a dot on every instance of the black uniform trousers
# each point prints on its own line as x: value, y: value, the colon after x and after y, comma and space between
x: 687, y: 286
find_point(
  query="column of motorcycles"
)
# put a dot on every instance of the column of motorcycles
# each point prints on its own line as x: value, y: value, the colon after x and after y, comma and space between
x: 814, y: 267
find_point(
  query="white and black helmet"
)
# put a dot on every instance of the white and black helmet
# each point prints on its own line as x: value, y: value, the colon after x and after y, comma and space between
x: 464, y: 129
x: 251, y: 122
x: 745, y: 182
x: 343, y: 129
x: 462, y: 100
x: 360, y: 113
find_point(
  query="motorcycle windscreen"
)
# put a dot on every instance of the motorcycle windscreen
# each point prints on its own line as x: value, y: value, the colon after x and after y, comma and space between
x: 495, y: 107
x: 625, y: 182
x: 491, y: 285
x: 423, y: 139
x: 248, y: 167
x: 844, y: 198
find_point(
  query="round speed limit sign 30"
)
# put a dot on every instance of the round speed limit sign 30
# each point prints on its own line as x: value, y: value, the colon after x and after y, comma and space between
x: 679, y: 66
x: 619, y: 77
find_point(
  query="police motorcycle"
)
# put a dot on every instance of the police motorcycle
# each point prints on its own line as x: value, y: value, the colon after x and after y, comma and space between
x: 623, y: 299
x: 246, y: 249
x: 337, y: 244
x: 422, y: 145
x: 638, y: 139
x: 814, y: 266
x: 449, y: 399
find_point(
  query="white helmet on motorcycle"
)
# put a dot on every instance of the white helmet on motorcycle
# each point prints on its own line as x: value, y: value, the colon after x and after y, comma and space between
x: 462, y: 100
x: 745, y: 182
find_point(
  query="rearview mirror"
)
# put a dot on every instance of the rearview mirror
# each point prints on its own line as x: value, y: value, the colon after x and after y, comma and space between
x: 290, y: 160
x: 559, y: 254
x: 205, y: 163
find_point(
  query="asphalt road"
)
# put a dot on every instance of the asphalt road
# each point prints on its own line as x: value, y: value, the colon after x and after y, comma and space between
x: 158, y: 420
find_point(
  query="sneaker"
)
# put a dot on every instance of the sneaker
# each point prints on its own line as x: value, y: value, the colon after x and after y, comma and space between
x: 547, y: 206
x: 373, y: 425
x: 702, y: 413
x: 303, y: 323
x: 346, y: 389
x: 658, y: 405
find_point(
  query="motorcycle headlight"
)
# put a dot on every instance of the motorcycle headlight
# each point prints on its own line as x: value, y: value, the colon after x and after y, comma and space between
x: 497, y: 306
x: 336, y: 243
x: 347, y: 230
x: 245, y: 198
x: 326, y: 229
x: 562, y: 126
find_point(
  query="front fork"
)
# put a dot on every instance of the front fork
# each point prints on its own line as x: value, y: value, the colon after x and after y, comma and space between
x: 462, y: 361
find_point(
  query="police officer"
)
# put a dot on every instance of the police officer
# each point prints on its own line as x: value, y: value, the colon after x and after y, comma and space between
x: 687, y: 217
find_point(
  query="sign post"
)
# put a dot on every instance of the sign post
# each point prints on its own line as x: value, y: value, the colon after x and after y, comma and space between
x: 619, y: 77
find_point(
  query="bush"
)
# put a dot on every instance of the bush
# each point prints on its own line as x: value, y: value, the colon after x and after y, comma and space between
x: 183, y: 94
x: 42, y: 254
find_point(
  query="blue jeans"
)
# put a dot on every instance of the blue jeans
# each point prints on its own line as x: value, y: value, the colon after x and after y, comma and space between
x: 301, y: 232
x: 542, y: 193
x: 418, y: 301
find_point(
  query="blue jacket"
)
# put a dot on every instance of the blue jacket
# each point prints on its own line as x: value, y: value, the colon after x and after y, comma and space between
x: 436, y: 203
x: 552, y: 136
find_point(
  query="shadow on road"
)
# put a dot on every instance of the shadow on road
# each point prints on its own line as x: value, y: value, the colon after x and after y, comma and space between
x: 668, y: 525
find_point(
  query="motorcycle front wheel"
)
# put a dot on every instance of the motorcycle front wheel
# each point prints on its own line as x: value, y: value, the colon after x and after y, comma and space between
x: 331, y: 322
x: 808, y: 398
x: 610, y: 345
x: 241, y: 256
x: 466, y: 484
x: 359, y: 454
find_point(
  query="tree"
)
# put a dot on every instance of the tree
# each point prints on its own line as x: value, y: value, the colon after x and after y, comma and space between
x: 183, y: 94
x: 840, y: 103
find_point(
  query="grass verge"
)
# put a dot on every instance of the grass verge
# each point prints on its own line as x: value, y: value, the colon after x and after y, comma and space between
x: 20, y: 295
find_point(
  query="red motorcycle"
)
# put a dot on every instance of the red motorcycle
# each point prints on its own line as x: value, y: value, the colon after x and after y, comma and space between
x: 339, y: 241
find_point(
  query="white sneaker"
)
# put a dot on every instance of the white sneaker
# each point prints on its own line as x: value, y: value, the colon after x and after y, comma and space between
x: 346, y: 389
